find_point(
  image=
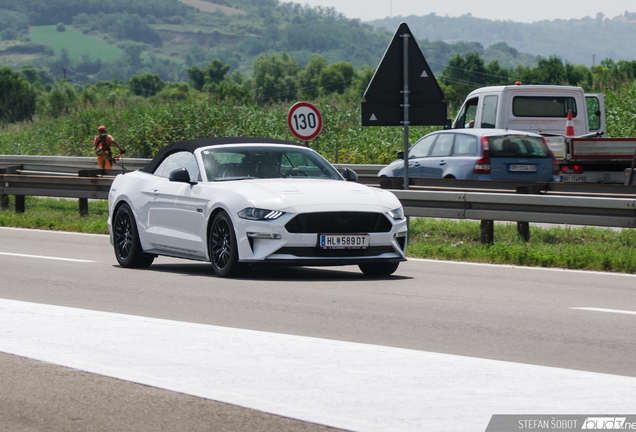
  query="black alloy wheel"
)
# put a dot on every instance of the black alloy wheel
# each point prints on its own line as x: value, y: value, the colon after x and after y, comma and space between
x: 222, y: 247
x: 127, y: 246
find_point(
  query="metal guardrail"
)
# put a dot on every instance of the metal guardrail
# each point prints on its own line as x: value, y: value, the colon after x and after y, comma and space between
x: 60, y: 165
x: 367, y: 174
x: 488, y: 201
x: 608, y: 212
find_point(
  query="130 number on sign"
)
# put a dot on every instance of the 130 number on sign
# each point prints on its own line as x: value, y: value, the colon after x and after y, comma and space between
x: 304, y: 121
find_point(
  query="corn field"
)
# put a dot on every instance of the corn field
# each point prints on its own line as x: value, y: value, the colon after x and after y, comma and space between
x: 143, y: 126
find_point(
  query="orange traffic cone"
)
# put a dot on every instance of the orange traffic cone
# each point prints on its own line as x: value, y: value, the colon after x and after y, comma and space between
x: 569, y: 125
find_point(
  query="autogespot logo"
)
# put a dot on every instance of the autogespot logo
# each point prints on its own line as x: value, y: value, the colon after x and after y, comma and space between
x: 606, y: 423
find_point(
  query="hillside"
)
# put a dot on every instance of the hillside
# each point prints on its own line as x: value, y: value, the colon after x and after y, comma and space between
x: 585, y: 41
x: 123, y: 38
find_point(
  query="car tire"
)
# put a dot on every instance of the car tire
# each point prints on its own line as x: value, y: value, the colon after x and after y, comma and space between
x: 126, y: 242
x: 379, y: 269
x: 222, y: 246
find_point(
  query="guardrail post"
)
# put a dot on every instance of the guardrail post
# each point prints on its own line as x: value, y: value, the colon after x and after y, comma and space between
x: 4, y: 201
x: 19, y: 204
x: 83, y: 206
x: 487, y: 232
x: 631, y: 173
x: 523, y: 229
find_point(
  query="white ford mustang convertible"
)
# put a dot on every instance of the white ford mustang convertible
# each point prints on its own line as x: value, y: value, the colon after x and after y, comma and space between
x: 251, y: 201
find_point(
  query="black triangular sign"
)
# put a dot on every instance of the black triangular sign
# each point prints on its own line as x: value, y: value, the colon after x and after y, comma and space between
x: 387, y: 82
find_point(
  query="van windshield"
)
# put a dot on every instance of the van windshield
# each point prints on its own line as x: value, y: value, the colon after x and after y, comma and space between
x: 517, y: 146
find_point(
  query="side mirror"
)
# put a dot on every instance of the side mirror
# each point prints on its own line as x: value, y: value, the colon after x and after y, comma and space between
x: 400, y: 155
x: 349, y: 174
x: 181, y: 175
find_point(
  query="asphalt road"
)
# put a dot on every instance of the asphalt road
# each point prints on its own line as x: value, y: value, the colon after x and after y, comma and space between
x: 564, y: 319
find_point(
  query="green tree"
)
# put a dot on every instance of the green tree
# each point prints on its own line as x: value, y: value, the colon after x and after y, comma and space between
x: 336, y: 78
x: 275, y: 77
x: 550, y: 71
x: 17, y: 97
x: 208, y: 79
x: 60, y: 100
x: 308, y: 77
x: 146, y: 84
x: 463, y: 74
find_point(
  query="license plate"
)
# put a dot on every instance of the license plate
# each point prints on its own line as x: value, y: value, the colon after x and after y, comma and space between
x: 574, y: 178
x: 342, y: 241
x: 522, y: 168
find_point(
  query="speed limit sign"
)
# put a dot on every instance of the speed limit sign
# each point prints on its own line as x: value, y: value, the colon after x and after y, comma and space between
x: 304, y: 121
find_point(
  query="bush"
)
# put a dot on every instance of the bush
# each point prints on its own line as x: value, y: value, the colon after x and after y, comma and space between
x: 60, y: 27
x: 17, y: 97
x: 8, y: 34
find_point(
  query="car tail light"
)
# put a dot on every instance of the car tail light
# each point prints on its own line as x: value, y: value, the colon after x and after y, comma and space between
x: 572, y: 169
x: 483, y: 164
x: 556, y: 170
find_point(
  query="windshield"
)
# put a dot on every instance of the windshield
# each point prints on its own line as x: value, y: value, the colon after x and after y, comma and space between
x: 517, y: 146
x: 254, y: 162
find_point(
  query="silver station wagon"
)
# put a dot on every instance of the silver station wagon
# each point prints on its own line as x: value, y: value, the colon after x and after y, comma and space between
x: 478, y: 154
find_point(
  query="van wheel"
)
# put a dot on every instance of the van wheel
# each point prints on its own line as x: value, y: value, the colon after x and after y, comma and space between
x: 449, y: 177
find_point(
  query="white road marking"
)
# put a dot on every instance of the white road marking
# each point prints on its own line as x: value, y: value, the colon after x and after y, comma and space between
x: 552, y: 269
x: 618, y: 311
x: 46, y: 257
x: 341, y: 384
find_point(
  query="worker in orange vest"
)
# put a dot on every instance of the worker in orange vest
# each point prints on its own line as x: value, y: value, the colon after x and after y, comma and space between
x: 102, y: 144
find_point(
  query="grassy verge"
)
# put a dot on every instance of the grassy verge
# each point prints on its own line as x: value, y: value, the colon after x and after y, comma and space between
x: 57, y: 215
x: 572, y: 248
x: 581, y: 248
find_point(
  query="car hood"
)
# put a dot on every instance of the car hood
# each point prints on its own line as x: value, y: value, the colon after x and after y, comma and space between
x: 295, y: 195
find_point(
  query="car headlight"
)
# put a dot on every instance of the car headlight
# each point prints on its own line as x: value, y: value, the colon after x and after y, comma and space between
x: 252, y: 213
x: 397, y: 213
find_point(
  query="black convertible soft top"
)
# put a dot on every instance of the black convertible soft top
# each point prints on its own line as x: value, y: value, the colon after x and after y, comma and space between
x: 193, y: 144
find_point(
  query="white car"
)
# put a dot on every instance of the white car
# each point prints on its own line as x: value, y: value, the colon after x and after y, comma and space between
x: 248, y: 201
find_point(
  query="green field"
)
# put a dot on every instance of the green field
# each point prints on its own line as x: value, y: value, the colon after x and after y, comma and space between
x: 75, y: 42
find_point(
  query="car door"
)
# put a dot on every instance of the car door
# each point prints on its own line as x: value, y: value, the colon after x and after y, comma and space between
x: 176, y: 209
x: 440, y: 155
x: 418, y: 154
x: 462, y: 163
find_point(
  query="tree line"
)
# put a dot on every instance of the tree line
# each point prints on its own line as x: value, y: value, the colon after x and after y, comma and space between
x: 278, y: 77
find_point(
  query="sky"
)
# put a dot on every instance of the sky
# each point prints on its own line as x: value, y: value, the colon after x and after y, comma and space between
x: 368, y: 10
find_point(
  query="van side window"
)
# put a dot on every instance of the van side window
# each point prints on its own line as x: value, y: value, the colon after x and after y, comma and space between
x: 543, y: 106
x: 489, y: 114
x: 465, y: 145
x: 443, y: 146
x: 467, y: 115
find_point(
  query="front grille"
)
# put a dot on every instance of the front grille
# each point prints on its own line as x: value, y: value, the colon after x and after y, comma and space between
x: 339, y: 223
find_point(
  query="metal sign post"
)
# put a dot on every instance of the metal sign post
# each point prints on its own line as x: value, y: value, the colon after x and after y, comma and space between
x: 405, y: 91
